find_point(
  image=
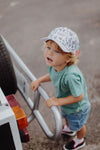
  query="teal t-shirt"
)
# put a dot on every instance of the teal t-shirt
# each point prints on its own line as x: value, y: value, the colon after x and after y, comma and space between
x: 69, y: 81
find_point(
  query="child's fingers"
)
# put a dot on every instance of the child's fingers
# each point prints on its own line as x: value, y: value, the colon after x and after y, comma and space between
x: 52, y: 102
x: 33, y: 87
x: 48, y: 103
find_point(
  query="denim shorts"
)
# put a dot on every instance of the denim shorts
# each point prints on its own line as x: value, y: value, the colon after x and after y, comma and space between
x: 77, y: 120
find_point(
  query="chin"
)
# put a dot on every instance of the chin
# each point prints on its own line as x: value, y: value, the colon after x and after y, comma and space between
x: 48, y: 64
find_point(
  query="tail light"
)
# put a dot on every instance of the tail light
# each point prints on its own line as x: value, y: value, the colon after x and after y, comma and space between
x: 19, y: 113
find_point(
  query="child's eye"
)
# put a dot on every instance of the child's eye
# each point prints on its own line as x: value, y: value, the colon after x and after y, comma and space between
x: 57, y: 51
x: 48, y: 48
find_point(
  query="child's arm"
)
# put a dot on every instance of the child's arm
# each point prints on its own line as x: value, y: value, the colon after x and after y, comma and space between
x: 35, y: 84
x: 63, y: 101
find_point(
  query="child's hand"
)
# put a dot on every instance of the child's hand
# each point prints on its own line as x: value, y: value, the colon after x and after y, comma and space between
x: 53, y: 101
x: 35, y: 85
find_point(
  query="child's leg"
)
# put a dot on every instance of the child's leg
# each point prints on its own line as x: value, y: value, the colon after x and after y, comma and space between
x: 66, y: 121
x: 78, y: 141
x: 66, y: 130
x: 81, y: 133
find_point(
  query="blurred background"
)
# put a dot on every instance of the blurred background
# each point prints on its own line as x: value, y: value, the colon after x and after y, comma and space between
x: 24, y: 22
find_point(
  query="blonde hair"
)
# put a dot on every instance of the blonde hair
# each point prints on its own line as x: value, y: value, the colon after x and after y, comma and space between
x: 74, y: 59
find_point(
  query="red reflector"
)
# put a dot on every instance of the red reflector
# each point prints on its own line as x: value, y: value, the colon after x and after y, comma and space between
x: 12, y: 101
x: 19, y: 113
x: 26, y: 134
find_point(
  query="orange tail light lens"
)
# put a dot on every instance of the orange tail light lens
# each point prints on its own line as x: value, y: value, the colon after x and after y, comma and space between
x: 19, y: 113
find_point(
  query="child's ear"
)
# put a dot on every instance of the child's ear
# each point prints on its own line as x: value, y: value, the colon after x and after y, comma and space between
x: 68, y: 60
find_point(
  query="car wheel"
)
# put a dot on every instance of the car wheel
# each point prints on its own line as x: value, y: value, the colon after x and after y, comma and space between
x: 8, y: 81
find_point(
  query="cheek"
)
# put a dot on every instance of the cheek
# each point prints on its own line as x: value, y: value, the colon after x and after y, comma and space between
x: 60, y: 60
x: 45, y: 53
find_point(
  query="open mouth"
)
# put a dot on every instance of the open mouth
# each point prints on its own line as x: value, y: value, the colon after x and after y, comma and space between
x: 49, y: 59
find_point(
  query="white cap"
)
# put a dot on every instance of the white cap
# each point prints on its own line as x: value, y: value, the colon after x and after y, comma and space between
x: 67, y: 40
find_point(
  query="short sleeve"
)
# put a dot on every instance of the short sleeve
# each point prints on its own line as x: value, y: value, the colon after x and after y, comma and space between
x: 75, y: 85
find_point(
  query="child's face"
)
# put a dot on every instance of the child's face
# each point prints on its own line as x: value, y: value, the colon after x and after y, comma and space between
x: 54, y: 57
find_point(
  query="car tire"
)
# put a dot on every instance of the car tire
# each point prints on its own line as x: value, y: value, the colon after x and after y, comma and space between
x: 8, y: 81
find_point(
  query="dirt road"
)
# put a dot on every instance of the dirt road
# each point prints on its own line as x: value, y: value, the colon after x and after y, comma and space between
x: 24, y: 22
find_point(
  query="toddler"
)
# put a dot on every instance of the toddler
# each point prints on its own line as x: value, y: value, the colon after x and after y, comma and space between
x: 61, y: 52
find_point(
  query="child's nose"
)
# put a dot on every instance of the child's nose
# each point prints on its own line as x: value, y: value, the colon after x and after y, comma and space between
x: 50, y: 52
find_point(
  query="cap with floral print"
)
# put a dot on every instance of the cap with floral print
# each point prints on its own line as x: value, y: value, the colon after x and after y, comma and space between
x: 66, y: 39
